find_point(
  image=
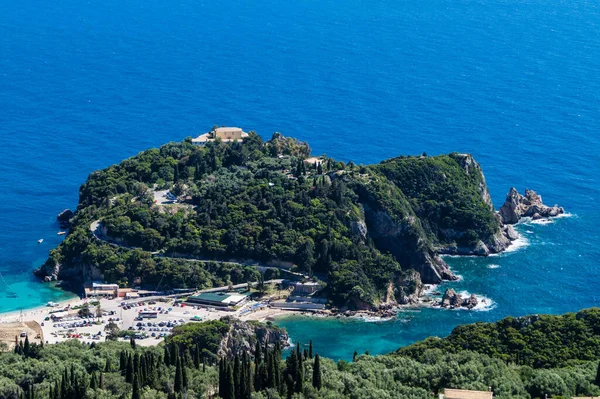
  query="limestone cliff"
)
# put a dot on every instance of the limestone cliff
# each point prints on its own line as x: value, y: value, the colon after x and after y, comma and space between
x: 242, y: 337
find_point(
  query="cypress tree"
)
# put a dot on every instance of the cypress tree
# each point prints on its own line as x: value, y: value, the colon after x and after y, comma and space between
x: 197, y: 357
x: 270, y: 371
x: 129, y: 370
x: 176, y: 173
x: 93, y: 382
x: 167, y: 358
x: 64, y: 387
x: 136, y: 388
x: 320, y: 168
x: 184, y: 376
x: 277, y: 373
x: 248, y: 377
x: 257, y: 355
x: 107, y: 365
x: 178, y: 386
x: 132, y: 342
x: 243, y: 388
x: 136, y: 364
x: 123, y: 361
x: 26, y: 347
x: 258, y: 377
x: 143, y: 371
x: 310, y: 348
x: 221, y: 379
x: 298, y: 386
x: 230, y: 393
x: 354, y: 356
x: 174, y: 354
x: 316, y: 378
x: 237, y: 375
x: 305, y: 354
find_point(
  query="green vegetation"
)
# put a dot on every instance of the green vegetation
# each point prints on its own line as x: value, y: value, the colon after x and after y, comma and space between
x: 187, y: 365
x: 360, y: 227
x: 538, y: 341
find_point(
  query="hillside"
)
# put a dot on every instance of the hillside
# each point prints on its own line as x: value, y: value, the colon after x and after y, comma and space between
x: 539, y: 341
x: 365, y: 229
x: 192, y: 363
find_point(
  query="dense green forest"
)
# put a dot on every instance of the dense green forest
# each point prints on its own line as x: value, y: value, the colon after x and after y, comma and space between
x: 539, y: 341
x: 359, y: 227
x: 188, y: 365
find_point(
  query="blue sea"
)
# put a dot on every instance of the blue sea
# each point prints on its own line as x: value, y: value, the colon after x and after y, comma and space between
x: 85, y: 84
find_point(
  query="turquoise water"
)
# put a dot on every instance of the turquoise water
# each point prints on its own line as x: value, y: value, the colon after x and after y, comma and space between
x: 86, y: 84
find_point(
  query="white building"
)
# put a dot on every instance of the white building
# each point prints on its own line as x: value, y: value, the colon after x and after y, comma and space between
x: 226, y: 134
x: 102, y: 290
x: 465, y: 394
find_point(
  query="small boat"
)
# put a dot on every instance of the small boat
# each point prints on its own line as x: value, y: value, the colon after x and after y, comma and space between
x: 61, y: 233
x: 41, y: 240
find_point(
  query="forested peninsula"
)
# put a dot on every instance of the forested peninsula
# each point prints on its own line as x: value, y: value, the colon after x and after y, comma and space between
x: 373, y: 233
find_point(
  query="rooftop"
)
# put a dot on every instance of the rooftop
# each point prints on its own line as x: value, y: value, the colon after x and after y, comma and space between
x: 466, y: 394
x: 224, y: 298
x: 226, y: 134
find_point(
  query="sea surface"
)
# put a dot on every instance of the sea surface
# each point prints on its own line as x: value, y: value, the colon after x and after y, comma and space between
x: 85, y: 84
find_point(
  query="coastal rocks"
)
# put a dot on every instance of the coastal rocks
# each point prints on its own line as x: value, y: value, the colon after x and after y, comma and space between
x: 64, y: 218
x: 48, y: 271
x: 242, y: 337
x: 408, y: 288
x: 452, y: 299
x: 510, y: 232
x: 518, y: 206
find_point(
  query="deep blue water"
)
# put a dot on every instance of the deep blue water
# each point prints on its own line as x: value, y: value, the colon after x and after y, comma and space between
x: 516, y: 83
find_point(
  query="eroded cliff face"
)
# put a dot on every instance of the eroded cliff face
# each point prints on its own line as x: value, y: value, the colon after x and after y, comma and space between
x: 242, y: 337
x: 407, y: 244
x: 470, y: 166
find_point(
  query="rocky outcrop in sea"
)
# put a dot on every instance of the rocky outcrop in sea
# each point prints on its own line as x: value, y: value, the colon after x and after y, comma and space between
x: 452, y: 299
x: 64, y: 218
x: 518, y: 206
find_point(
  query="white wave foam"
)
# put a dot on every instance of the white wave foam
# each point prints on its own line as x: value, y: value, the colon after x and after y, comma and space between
x: 493, y: 266
x: 544, y: 221
x: 484, y: 304
x: 520, y: 243
x: 373, y: 319
x: 541, y: 221
x: 430, y: 289
x: 566, y: 215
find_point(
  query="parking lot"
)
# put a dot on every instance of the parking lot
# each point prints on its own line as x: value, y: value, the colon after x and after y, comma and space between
x: 147, y: 321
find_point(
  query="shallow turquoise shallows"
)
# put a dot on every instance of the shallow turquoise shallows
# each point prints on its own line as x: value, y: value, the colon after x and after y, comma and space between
x: 86, y: 84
